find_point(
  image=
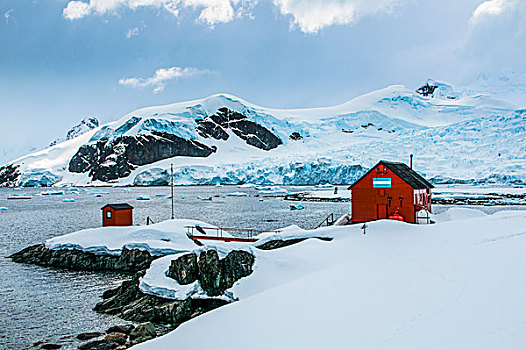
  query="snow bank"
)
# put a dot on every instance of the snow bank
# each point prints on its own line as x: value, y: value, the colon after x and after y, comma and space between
x: 456, y: 284
x: 167, y: 237
x: 455, y: 214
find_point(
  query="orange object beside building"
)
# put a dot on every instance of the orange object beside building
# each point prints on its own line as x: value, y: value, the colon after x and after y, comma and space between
x: 117, y: 215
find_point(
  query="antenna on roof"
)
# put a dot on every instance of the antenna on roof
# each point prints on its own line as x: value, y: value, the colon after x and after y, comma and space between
x: 411, y: 161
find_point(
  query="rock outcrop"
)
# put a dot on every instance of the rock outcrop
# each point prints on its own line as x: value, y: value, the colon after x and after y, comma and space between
x: 9, y: 175
x: 426, y: 90
x: 130, y: 303
x: 215, y: 275
x: 215, y: 126
x: 110, y: 159
x: 130, y: 260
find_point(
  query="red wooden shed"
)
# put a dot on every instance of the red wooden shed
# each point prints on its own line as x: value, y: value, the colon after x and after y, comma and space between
x: 120, y: 214
x: 390, y: 191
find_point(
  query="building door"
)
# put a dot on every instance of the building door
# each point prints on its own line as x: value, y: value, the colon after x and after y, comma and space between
x: 381, y: 211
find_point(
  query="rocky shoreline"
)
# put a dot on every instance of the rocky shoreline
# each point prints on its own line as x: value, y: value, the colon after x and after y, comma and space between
x: 130, y: 260
x: 151, y: 315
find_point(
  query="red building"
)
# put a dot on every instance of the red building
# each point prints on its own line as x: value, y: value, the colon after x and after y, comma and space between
x: 389, y: 191
x: 117, y: 215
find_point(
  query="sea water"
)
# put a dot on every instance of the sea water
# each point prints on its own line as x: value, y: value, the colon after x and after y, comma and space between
x: 48, y: 304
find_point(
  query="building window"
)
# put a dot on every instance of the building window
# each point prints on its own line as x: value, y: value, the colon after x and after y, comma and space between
x: 108, y: 215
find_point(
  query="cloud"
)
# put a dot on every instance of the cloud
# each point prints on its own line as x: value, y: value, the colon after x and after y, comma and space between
x: 132, y: 32
x: 310, y: 16
x: 161, y: 76
x: 211, y: 12
x: 497, y: 36
x: 9, y: 17
x: 490, y: 8
x: 75, y: 10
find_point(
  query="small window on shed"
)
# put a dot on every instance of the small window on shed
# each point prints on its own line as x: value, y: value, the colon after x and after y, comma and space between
x: 108, y: 214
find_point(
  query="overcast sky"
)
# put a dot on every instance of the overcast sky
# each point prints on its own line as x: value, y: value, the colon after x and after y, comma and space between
x: 61, y: 61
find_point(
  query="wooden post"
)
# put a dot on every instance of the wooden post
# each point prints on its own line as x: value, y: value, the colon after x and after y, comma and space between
x: 172, y: 188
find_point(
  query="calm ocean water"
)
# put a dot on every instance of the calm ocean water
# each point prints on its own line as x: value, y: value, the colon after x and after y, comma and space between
x: 54, y: 305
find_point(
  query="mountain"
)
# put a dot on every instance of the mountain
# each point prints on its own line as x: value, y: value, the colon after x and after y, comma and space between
x: 84, y: 126
x: 455, y: 136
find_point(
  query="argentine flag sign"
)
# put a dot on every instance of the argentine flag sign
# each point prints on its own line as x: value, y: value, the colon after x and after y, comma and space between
x: 381, y: 182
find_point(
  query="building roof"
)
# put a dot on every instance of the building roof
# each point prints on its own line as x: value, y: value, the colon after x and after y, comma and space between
x: 407, y: 174
x: 118, y: 206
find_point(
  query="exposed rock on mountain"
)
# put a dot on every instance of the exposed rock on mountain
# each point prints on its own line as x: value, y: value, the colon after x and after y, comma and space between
x: 427, y: 89
x: 252, y: 133
x: 9, y: 175
x: 112, y: 159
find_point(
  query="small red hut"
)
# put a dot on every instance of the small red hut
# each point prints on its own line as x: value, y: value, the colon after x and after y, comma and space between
x: 117, y: 215
x: 390, y: 191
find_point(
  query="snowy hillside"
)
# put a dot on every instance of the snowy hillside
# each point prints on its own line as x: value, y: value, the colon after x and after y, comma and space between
x: 224, y: 139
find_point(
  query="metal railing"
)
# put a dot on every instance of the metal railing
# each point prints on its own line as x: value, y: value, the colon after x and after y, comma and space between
x: 328, y: 221
x: 239, y: 234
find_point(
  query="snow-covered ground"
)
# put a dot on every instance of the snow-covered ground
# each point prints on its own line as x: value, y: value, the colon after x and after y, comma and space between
x: 458, y: 284
x: 465, y: 135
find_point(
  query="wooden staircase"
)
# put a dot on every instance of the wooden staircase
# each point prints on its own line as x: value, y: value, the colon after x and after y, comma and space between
x: 328, y: 221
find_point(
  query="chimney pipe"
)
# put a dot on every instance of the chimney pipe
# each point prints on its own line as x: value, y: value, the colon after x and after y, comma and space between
x: 411, y: 161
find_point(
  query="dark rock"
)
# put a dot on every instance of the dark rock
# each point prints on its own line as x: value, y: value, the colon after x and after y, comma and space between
x: 9, y: 175
x: 295, y: 136
x: 215, y: 275
x: 122, y: 328
x: 237, y: 264
x: 427, y: 89
x: 208, y: 128
x: 109, y: 293
x: 144, y: 330
x: 184, y: 269
x: 130, y: 260
x: 130, y: 303
x: 103, y: 344
x: 209, y: 272
x: 215, y: 126
x: 120, y: 337
x: 279, y: 243
x: 89, y: 335
x: 275, y: 244
x: 116, y: 158
x: 50, y: 346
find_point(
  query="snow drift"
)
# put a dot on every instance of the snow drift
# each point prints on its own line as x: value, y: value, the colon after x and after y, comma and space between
x: 455, y: 284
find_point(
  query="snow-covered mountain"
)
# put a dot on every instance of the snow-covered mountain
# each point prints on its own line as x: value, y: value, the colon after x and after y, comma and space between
x: 223, y: 139
x: 82, y: 127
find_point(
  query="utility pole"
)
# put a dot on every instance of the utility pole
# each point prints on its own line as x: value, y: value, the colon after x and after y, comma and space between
x: 172, y: 188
